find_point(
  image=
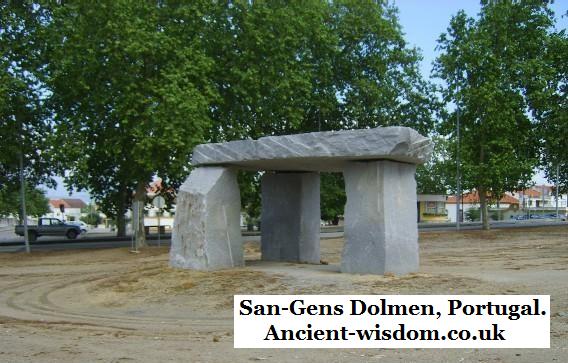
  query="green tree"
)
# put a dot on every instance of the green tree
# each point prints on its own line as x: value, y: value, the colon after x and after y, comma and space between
x: 23, y: 119
x: 37, y: 203
x: 289, y: 67
x: 131, y: 95
x: 249, y: 186
x: 490, y: 65
x: 284, y: 68
x: 267, y: 55
x: 473, y: 214
x: 93, y: 219
x: 432, y: 176
x: 553, y: 103
x: 378, y: 80
x: 333, y: 197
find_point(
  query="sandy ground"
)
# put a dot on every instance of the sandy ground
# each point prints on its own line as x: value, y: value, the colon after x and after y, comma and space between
x: 115, y: 306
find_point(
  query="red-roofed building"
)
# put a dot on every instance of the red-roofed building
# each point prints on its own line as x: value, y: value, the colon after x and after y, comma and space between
x: 68, y: 209
x: 506, y: 208
x: 473, y: 198
x: 541, y: 200
x: 529, y: 193
x: 538, y: 201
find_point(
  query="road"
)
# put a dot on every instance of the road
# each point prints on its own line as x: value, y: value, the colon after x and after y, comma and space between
x: 11, y: 243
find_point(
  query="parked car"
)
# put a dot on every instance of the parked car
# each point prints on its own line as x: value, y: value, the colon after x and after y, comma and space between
x: 84, y: 226
x: 49, y: 227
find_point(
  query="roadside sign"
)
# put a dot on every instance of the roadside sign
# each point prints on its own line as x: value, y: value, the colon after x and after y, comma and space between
x: 159, y: 202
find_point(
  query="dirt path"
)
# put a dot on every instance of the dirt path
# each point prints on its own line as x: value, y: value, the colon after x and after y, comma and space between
x: 114, y: 306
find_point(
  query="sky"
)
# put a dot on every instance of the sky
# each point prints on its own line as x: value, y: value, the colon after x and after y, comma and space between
x: 422, y: 22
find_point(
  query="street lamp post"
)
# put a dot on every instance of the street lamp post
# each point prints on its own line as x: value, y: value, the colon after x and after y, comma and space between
x: 458, y: 176
x: 557, y: 178
x: 23, y: 198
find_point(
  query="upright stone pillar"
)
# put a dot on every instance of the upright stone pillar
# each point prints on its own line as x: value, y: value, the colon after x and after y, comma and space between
x: 206, y: 234
x: 290, y: 223
x: 381, y: 232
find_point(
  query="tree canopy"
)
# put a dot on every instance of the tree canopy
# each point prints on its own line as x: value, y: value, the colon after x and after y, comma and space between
x: 37, y: 203
x: 131, y: 94
x: 493, y: 70
x: 432, y: 177
x: 133, y: 86
x: 123, y: 91
x: 24, y: 122
x: 333, y: 198
x: 553, y: 103
x: 283, y: 68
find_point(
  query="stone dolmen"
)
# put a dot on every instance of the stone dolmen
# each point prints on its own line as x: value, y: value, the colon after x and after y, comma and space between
x: 381, y: 233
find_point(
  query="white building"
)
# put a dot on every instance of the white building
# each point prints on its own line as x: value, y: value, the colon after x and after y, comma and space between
x: 541, y: 200
x: 505, y: 208
x: 67, y: 209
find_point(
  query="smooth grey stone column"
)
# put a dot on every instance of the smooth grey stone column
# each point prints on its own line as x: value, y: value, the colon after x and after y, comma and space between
x: 207, y: 234
x: 381, y: 232
x: 290, y: 222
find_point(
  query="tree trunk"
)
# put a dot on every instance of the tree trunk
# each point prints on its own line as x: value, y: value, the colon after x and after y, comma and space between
x: 481, y: 190
x: 120, y: 225
x: 484, y: 209
x: 140, y: 200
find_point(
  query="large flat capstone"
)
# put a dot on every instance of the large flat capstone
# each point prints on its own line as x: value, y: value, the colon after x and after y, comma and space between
x: 318, y: 151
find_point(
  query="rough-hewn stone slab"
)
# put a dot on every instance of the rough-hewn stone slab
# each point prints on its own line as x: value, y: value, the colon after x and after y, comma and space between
x: 380, y: 217
x: 381, y: 233
x: 206, y: 233
x: 318, y: 151
x: 290, y: 217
